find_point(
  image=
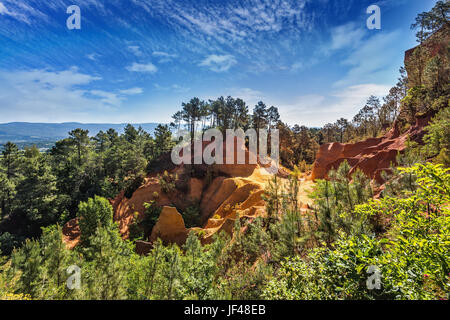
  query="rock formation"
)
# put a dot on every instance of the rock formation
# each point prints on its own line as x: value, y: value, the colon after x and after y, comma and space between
x: 170, y: 227
x: 223, y: 193
x: 372, y: 156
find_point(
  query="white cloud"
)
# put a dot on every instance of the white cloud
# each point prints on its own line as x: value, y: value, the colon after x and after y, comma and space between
x: 163, y: 57
x: 218, y: 63
x: 373, y: 59
x: 317, y: 110
x: 115, y: 99
x: 132, y: 91
x: 21, y: 11
x: 138, y: 67
x: 136, y: 50
x: 348, y: 35
x: 55, y: 96
x: 232, y: 21
x: 3, y: 9
x: 12, y: 13
x: 250, y: 96
x: 369, y: 56
x: 92, y: 56
x: 174, y: 87
x: 109, y: 98
x: 297, y: 66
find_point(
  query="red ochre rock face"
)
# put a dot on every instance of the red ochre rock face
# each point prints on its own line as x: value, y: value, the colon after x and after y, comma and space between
x: 372, y: 156
x: 232, y: 192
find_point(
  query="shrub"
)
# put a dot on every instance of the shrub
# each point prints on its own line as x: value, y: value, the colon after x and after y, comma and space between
x: 191, y: 216
x: 93, y: 213
x: 412, y: 257
x: 167, y: 182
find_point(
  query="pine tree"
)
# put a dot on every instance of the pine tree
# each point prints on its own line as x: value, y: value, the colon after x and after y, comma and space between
x: 106, y: 266
x: 36, y: 192
x: 96, y: 212
x: 10, y: 166
x: 273, y: 195
x: 28, y: 262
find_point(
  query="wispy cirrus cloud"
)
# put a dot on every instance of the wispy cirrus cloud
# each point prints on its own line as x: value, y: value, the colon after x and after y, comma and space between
x: 92, y: 56
x: 366, y: 54
x: 347, y: 35
x: 136, y: 50
x: 115, y: 98
x: 3, y: 9
x: 142, y: 67
x: 132, y: 91
x: 164, y: 57
x: 218, y: 63
x: 370, y: 60
x: 17, y: 11
x: 174, y: 88
x: 288, y: 53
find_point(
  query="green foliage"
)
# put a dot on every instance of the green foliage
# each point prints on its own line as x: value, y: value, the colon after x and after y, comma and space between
x: 7, y: 243
x: 335, y: 273
x: 397, y: 183
x: 260, y: 262
x: 167, y: 182
x: 292, y: 254
x: 437, y: 138
x: 191, y: 216
x: 335, y: 200
x: 413, y: 258
x: 273, y: 194
x: 429, y: 22
x: 96, y: 212
x: 36, y: 191
x: 152, y: 212
x: 105, y: 267
x: 9, y: 176
x: 142, y: 226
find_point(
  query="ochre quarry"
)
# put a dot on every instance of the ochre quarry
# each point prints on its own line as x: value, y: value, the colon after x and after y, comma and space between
x: 223, y: 192
x: 372, y: 156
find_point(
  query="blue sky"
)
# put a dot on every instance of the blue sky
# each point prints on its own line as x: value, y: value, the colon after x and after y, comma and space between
x: 138, y: 60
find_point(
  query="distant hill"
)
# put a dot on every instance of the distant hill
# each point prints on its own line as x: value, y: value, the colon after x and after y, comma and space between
x: 45, y: 135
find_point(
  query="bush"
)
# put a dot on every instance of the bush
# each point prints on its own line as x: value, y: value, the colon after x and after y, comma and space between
x: 191, y: 216
x: 95, y: 212
x: 167, y: 182
x: 152, y: 212
x: 8, y: 242
x: 437, y: 139
x: 412, y: 257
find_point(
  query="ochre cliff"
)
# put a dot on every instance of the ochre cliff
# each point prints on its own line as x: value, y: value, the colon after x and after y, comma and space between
x: 372, y: 156
x: 223, y: 192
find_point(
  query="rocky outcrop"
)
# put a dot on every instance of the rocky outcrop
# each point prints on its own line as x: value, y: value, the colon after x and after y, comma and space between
x: 417, y: 58
x: 71, y: 233
x: 170, y: 227
x: 223, y: 193
x: 372, y: 156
